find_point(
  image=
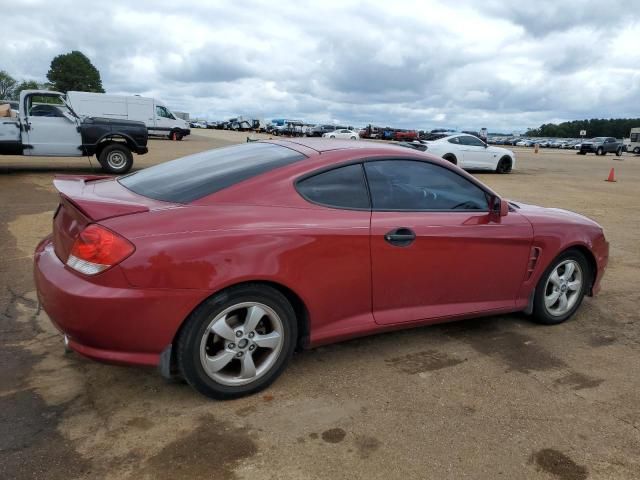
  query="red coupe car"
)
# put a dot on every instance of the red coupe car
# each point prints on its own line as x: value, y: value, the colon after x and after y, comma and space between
x: 217, y: 266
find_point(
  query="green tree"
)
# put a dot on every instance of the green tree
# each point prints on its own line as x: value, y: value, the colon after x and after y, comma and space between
x: 7, y: 84
x: 595, y: 127
x: 25, y: 85
x: 74, y: 71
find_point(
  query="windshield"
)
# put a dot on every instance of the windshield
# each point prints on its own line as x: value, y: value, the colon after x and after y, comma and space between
x: 189, y: 178
x: 598, y: 139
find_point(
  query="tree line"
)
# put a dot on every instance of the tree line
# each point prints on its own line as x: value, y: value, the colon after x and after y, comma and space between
x: 69, y: 71
x: 595, y: 127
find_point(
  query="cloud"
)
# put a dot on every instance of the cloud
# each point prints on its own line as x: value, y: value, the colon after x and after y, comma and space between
x: 423, y: 64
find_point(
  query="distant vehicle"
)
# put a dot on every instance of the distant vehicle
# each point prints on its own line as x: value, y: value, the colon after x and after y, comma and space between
x: 634, y: 141
x: 525, y: 143
x: 370, y: 131
x: 471, y: 153
x: 160, y: 121
x: 342, y: 133
x: 320, y: 130
x: 283, y: 126
x: 61, y: 132
x: 601, y: 146
x: 405, y: 135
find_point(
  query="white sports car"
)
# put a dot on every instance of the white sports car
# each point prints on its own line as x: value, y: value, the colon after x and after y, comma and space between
x: 471, y: 153
x: 342, y: 133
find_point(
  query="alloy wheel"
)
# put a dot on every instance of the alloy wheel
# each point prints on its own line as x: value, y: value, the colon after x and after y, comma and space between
x: 241, y: 343
x: 563, y: 287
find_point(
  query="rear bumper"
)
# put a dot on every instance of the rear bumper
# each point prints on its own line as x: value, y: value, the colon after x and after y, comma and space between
x: 104, y: 318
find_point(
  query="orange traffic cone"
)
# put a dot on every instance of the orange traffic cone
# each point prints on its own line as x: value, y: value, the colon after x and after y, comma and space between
x: 612, y: 176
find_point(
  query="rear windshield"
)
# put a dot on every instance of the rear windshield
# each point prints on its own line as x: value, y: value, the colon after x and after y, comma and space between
x: 190, y: 178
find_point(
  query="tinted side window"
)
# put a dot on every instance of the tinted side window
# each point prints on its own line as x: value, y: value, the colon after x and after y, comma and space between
x: 455, y: 140
x: 342, y: 187
x: 472, y: 141
x: 414, y: 185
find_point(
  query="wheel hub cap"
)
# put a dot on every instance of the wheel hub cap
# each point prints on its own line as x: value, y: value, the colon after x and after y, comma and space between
x: 243, y: 343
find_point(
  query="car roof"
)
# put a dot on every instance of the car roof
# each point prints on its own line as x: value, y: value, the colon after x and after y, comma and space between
x: 321, y: 145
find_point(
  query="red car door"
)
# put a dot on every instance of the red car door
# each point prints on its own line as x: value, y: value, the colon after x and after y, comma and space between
x: 436, y: 251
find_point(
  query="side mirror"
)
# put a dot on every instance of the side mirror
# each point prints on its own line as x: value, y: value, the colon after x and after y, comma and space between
x: 499, y: 207
x: 504, y: 207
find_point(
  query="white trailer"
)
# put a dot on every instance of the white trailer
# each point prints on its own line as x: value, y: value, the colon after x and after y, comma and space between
x: 160, y: 121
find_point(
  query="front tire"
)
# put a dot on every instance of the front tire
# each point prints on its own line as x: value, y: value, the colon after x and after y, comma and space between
x: 600, y: 151
x: 116, y: 158
x: 619, y: 152
x: 561, y: 288
x: 237, y: 342
x: 504, y: 165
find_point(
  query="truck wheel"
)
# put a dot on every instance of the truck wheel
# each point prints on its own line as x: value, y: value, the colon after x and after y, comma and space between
x: 619, y: 152
x: 600, y: 151
x: 116, y: 158
x: 636, y: 150
x: 175, y: 135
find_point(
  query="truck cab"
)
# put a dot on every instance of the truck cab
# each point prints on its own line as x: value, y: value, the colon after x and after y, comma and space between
x: 46, y: 125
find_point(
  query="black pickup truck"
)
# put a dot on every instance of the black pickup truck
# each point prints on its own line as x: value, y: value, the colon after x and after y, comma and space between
x: 601, y: 146
x: 47, y: 126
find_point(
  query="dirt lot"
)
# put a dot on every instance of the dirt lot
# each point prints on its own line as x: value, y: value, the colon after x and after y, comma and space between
x: 492, y: 398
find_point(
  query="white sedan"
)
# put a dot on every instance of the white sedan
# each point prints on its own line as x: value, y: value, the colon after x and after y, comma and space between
x: 471, y: 153
x: 342, y: 133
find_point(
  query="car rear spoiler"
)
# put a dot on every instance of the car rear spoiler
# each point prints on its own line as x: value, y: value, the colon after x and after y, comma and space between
x: 78, y: 190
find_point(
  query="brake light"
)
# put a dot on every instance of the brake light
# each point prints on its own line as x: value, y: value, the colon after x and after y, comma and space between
x: 98, y: 248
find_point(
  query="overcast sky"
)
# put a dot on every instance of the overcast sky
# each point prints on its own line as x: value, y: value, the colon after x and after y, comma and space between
x: 505, y: 65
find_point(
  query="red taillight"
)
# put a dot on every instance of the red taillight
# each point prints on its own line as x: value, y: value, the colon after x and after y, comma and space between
x: 98, y: 248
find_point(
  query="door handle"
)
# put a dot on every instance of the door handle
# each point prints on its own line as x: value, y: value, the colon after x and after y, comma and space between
x: 400, y: 237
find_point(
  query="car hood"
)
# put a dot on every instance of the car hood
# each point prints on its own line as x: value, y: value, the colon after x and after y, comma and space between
x: 504, y: 151
x: 538, y: 215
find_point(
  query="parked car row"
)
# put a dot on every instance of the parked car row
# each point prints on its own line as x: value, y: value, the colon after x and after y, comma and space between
x: 564, y: 143
x: 597, y: 145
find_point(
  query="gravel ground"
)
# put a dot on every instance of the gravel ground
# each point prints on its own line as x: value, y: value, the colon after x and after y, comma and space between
x: 497, y: 397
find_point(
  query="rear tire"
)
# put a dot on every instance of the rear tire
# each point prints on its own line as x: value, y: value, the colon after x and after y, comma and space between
x: 560, y: 292
x: 221, y: 335
x: 116, y: 158
x: 504, y: 165
x: 450, y: 157
x: 175, y: 134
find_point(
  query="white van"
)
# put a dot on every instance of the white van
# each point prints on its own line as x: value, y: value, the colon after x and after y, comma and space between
x: 156, y: 116
x: 634, y: 141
